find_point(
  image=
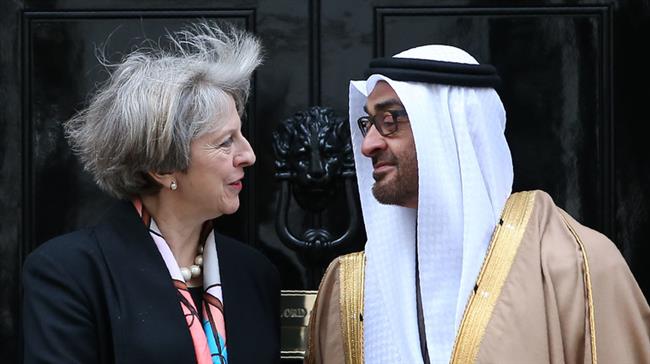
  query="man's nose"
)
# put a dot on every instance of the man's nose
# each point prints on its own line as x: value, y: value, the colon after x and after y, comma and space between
x: 373, y: 142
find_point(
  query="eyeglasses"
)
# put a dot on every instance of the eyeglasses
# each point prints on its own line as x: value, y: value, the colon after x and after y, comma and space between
x: 385, y: 121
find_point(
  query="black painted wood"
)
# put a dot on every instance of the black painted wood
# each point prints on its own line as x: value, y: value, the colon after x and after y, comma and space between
x: 570, y: 70
x: 11, y: 250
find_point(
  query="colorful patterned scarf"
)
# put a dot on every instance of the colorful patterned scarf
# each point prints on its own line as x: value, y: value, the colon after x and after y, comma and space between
x: 208, y: 330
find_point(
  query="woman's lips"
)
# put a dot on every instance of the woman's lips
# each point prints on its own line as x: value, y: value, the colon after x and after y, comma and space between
x: 237, y: 185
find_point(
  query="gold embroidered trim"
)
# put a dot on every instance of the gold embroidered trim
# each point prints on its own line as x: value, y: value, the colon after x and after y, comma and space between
x: 351, y: 276
x: 501, y: 253
x: 587, y: 282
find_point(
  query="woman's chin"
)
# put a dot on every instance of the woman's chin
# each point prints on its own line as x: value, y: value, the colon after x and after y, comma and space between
x: 231, y: 208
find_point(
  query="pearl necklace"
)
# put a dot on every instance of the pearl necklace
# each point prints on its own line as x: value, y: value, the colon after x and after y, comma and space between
x: 193, y: 270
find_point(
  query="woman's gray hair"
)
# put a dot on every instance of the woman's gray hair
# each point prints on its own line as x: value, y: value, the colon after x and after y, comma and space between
x: 157, y: 101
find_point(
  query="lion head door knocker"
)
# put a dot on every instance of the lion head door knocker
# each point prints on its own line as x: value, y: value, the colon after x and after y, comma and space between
x: 314, y: 162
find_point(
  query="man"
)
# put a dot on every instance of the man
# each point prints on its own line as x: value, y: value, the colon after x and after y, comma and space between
x: 455, y: 268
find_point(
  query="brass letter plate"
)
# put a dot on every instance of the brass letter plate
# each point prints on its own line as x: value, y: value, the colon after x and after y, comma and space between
x: 295, y: 310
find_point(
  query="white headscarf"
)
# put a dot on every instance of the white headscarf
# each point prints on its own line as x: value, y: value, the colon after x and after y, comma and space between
x: 465, y: 176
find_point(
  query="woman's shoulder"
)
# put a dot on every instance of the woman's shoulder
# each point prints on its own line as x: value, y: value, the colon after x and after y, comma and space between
x: 62, y: 260
x: 85, y: 239
x: 245, y: 253
x: 65, y: 247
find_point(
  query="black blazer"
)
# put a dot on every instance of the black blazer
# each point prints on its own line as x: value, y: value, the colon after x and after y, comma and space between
x: 104, y: 295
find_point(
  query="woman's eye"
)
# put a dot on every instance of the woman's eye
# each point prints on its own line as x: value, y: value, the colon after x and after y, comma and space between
x: 226, y: 143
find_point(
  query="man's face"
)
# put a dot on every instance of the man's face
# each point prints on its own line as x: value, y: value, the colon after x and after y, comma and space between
x: 393, y: 156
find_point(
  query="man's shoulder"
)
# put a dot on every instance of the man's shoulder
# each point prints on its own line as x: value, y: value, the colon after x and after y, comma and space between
x: 330, y: 283
x: 603, y: 256
x: 356, y: 259
x: 548, y: 215
x: 331, y: 273
x: 561, y: 235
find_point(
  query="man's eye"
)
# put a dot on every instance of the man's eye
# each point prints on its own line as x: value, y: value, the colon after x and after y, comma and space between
x: 388, y: 119
x: 402, y: 118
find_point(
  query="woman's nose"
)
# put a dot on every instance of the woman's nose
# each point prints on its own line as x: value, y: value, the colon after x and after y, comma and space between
x: 246, y: 156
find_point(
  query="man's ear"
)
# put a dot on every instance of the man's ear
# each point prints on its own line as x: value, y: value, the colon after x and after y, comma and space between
x: 164, y: 179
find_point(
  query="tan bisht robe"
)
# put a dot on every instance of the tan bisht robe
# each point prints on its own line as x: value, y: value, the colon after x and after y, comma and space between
x: 537, y: 299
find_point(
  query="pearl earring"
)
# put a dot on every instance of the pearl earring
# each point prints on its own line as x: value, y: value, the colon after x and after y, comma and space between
x: 173, y: 186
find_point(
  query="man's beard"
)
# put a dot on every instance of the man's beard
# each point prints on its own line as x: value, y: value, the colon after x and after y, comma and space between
x: 400, y: 187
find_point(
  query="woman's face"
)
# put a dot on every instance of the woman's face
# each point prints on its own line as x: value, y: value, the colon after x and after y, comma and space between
x: 212, y: 183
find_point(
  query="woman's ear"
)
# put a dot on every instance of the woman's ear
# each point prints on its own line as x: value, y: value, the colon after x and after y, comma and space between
x: 167, y: 180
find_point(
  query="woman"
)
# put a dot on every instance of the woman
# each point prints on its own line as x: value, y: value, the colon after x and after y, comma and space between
x: 154, y: 283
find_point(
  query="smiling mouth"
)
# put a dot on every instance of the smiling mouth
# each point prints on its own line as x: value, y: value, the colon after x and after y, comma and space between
x: 238, y: 185
x: 382, y: 166
x: 380, y: 170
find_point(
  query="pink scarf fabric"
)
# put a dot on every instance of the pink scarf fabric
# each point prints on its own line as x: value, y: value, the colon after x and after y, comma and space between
x: 208, y: 330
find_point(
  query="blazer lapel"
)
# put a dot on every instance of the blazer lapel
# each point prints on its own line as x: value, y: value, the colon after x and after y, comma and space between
x: 147, y: 309
x: 236, y: 293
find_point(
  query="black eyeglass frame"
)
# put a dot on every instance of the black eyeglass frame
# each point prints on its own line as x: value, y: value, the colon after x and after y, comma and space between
x: 365, y: 122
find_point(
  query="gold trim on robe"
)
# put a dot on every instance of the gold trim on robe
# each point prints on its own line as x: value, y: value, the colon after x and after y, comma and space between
x: 589, y: 291
x: 496, y: 267
x: 351, y: 276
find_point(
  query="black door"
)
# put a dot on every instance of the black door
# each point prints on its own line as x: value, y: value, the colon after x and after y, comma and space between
x: 571, y: 72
